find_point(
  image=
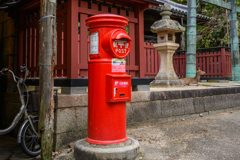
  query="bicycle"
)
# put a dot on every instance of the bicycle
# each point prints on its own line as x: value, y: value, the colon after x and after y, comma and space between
x: 27, y: 135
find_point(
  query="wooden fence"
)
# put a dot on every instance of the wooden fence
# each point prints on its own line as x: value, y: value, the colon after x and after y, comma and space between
x: 216, y: 62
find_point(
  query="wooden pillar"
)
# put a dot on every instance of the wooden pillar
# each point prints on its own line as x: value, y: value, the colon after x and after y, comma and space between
x: 47, y: 51
x: 72, y: 39
x: 83, y: 59
x: 59, y: 41
x: 140, y: 55
x: 132, y: 53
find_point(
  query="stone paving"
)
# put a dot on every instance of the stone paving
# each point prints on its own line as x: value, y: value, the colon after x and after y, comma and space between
x: 214, y: 136
x: 10, y: 150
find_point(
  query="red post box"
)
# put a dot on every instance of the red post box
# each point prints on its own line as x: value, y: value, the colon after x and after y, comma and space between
x: 108, y: 85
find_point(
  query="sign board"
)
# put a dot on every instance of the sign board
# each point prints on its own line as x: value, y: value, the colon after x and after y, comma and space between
x: 118, y: 65
x: 94, y: 48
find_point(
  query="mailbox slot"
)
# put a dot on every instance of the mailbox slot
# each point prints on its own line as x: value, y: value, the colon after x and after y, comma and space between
x: 117, y: 43
x: 122, y: 94
x: 118, y: 88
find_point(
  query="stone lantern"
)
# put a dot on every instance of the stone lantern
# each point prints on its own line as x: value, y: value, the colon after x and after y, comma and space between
x: 166, y: 47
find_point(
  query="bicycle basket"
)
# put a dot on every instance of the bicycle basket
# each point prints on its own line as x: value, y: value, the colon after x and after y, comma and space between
x: 33, y: 101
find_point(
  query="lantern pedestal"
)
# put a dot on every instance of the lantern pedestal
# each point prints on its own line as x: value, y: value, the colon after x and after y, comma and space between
x: 166, y: 76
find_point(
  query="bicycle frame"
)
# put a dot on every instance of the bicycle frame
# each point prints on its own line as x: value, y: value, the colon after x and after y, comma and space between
x: 23, y: 105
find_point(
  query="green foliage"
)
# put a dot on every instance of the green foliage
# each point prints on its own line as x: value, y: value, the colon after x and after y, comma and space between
x: 215, y: 32
x: 127, y: 29
x: 184, y: 2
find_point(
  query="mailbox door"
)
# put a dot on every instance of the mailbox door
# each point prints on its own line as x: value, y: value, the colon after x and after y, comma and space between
x: 118, y: 88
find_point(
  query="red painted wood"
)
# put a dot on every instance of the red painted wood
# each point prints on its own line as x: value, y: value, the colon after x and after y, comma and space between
x: 62, y: 11
x: 214, y: 68
x: 148, y: 69
x: 72, y: 39
x: 134, y: 68
x: 211, y: 65
x: 223, y: 62
x: 184, y: 66
x: 215, y: 63
x: 197, y: 59
x: 177, y: 65
x: 132, y: 53
x: 131, y: 14
x: 104, y: 8
x: 204, y: 62
x: 156, y: 68
x: 123, y: 12
x: 207, y: 71
x: 219, y: 64
x: 200, y: 61
x: 65, y: 45
x: 83, y: 4
x: 140, y: 55
x: 94, y: 12
x: 181, y: 66
x: 59, y: 45
x: 152, y: 60
x: 229, y: 64
x: 94, y: 6
x: 145, y: 61
x: 114, y: 10
x: 159, y: 62
x: 83, y: 43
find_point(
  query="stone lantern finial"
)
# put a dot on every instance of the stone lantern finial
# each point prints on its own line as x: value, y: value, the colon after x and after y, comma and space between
x: 166, y: 47
x: 166, y: 8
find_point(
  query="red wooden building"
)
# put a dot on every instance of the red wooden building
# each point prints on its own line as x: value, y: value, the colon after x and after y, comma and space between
x: 73, y: 39
x: 72, y: 33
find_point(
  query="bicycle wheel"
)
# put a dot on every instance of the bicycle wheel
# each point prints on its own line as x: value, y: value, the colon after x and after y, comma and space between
x: 29, y: 140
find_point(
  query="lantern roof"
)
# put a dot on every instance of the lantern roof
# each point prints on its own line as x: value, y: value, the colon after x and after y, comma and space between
x: 166, y: 23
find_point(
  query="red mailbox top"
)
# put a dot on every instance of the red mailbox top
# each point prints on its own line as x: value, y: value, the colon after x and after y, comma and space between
x: 106, y: 20
x: 108, y: 38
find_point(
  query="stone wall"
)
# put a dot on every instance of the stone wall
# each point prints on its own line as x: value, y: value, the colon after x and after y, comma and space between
x: 145, y: 108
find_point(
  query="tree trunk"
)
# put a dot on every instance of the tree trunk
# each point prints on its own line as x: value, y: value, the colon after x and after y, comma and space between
x: 47, y: 50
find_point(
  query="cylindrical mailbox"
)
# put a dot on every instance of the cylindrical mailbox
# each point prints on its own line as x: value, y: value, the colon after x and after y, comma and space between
x: 108, y: 85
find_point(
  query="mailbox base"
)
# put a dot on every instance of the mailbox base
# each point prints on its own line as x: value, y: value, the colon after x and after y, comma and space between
x: 127, y: 150
x: 166, y: 83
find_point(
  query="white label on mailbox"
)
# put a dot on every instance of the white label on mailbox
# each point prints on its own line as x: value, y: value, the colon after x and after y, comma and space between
x: 118, y: 65
x: 94, y: 43
x: 121, y: 46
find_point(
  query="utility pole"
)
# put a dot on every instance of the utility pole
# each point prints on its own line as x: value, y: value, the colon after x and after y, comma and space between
x: 47, y: 50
